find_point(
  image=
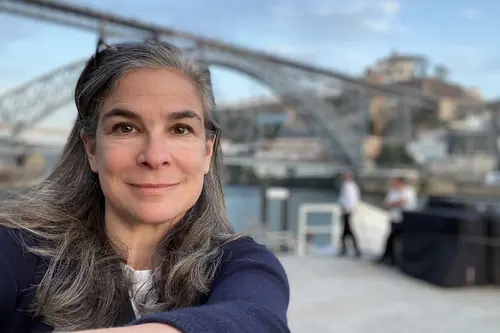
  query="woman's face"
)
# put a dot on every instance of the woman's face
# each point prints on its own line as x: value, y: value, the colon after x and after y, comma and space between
x: 150, y: 149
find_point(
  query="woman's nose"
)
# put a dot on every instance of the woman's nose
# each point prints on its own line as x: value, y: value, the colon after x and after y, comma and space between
x: 156, y: 152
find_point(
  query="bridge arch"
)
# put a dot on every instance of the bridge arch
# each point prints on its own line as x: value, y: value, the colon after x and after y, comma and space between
x: 26, y: 105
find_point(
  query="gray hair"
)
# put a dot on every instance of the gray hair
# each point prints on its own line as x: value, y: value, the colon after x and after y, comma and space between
x: 85, y: 281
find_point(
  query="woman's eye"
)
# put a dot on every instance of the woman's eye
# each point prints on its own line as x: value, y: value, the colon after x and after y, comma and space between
x: 124, y: 128
x: 181, y: 130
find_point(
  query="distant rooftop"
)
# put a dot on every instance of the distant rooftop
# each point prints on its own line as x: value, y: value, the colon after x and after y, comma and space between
x: 396, y: 56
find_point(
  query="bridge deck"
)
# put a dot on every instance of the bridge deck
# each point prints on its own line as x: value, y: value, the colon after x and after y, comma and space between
x: 343, y: 295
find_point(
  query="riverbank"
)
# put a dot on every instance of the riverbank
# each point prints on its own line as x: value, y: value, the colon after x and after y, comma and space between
x: 375, y: 182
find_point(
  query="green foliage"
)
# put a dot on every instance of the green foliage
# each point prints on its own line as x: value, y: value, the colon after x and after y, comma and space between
x: 394, y: 155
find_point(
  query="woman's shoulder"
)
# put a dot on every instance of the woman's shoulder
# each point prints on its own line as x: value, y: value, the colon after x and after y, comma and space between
x: 19, y: 268
x: 246, y: 253
x: 15, y: 254
x: 13, y: 242
x: 242, y: 243
x: 243, y: 246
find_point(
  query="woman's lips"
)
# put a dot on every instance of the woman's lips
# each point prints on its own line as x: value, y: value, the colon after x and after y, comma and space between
x: 153, y: 188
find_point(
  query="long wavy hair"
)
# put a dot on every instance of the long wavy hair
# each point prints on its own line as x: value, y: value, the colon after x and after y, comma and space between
x: 85, y: 280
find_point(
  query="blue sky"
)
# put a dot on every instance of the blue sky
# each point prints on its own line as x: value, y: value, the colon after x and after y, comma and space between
x: 345, y: 35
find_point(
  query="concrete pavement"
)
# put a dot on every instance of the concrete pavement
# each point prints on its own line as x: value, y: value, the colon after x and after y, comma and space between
x: 331, y: 294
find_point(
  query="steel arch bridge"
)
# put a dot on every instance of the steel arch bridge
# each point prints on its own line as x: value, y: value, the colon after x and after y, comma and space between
x: 297, y: 84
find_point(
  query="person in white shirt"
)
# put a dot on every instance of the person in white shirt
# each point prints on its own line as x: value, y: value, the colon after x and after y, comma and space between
x: 348, y: 199
x: 401, y: 197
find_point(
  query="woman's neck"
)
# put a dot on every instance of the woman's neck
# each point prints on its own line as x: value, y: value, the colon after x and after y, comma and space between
x: 138, y: 241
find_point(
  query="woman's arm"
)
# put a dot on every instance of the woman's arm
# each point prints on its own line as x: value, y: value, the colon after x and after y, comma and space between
x: 251, y: 294
x: 145, y: 328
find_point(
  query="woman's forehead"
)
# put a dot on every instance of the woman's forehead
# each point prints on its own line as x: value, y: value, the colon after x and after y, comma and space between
x: 155, y: 82
x: 154, y: 91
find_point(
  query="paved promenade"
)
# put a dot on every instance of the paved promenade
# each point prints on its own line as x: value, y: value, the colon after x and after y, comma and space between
x: 350, y: 296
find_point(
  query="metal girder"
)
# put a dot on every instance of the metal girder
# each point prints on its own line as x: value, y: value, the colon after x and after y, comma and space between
x: 84, y: 17
x: 21, y: 108
x: 93, y: 26
x: 294, y: 82
x: 293, y: 94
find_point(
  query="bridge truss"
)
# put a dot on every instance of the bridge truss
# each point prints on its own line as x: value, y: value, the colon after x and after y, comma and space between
x: 298, y: 85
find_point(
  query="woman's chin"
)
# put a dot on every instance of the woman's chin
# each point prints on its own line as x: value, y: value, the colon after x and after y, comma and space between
x: 158, y: 217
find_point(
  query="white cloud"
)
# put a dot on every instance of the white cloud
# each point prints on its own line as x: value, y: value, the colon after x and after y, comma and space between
x: 385, y: 16
x: 470, y: 13
x: 346, y: 58
x: 282, y: 10
x: 389, y: 7
x: 468, y: 60
x: 377, y: 24
x: 378, y: 16
x: 348, y: 8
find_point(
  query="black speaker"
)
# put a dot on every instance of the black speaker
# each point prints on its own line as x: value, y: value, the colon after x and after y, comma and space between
x: 434, y: 249
x: 492, y: 220
x: 448, y: 202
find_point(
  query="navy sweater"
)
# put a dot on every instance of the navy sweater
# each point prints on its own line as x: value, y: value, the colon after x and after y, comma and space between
x: 250, y: 293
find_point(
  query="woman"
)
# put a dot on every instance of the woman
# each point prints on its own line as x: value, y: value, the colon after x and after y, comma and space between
x: 130, y: 227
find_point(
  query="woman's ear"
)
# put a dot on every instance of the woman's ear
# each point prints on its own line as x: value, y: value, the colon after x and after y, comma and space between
x: 89, y: 145
x: 209, y: 151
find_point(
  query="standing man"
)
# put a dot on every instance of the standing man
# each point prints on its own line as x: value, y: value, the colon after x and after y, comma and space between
x: 348, y: 199
x: 401, y: 197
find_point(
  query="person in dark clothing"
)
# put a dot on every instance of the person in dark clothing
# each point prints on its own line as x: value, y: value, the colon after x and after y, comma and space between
x: 129, y: 233
x: 348, y: 199
x: 401, y: 197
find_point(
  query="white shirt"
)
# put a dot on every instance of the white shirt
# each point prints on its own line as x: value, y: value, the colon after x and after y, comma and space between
x: 141, y: 283
x: 349, y: 195
x: 409, y: 195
